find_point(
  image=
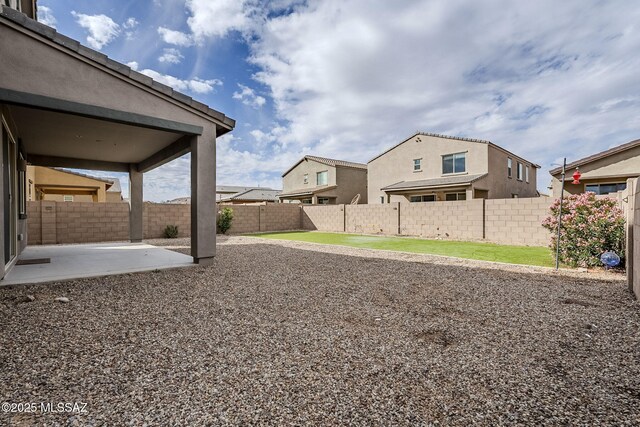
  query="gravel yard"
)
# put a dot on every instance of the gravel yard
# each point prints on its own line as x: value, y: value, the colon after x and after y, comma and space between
x: 295, y: 333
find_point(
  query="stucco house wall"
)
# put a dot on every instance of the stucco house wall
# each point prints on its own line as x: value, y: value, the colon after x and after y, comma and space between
x: 397, y: 164
x: 344, y: 181
x: 613, y: 168
x: 500, y: 185
x: 69, y: 183
x: 351, y: 182
x: 481, y: 157
x: 294, y: 180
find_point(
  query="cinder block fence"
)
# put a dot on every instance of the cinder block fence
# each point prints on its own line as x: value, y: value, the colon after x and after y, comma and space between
x: 506, y: 221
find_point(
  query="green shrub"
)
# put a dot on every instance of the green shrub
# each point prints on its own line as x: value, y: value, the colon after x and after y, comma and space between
x: 171, y: 231
x: 590, y: 226
x: 225, y: 219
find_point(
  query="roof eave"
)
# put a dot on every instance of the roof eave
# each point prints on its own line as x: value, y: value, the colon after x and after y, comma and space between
x: 27, y: 25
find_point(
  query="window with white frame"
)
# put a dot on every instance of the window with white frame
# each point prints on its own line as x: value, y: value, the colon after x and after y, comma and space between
x: 417, y: 165
x: 526, y: 173
x: 67, y: 198
x: 519, y: 171
x: 322, y: 178
x: 454, y: 163
x: 509, y: 167
x: 323, y: 200
x: 306, y: 178
x: 449, y: 197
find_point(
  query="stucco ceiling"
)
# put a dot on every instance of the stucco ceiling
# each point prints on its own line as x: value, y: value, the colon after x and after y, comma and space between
x: 49, y: 133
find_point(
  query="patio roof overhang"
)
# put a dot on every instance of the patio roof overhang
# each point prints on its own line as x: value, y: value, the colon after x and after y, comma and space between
x: 435, y: 184
x: 69, y: 106
x: 77, y: 108
x: 306, y: 193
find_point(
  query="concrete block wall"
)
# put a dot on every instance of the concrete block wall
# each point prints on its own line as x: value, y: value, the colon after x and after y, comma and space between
x: 517, y: 221
x: 460, y: 220
x: 34, y: 223
x: 280, y: 217
x: 85, y: 222
x: 506, y: 221
x: 246, y: 219
x: 372, y: 219
x: 325, y: 218
x: 156, y: 217
x: 51, y: 222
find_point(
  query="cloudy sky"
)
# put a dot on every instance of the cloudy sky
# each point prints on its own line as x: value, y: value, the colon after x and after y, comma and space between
x: 349, y: 78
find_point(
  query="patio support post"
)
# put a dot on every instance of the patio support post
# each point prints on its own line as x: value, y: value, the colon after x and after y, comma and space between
x: 203, y: 198
x: 136, y: 205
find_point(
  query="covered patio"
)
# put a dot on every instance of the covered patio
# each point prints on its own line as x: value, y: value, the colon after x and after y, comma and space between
x: 48, y: 263
x: 325, y: 195
x: 64, y: 105
x: 453, y: 188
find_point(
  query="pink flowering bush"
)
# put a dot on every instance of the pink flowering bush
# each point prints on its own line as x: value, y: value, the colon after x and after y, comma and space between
x: 589, y: 227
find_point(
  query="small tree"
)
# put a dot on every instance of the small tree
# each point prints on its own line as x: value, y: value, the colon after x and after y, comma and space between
x: 225, y: 219
x: 171, y: 231
x: 590, y: 226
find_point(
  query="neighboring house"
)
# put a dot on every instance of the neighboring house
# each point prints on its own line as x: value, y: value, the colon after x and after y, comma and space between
x: 225, y: 191
x: 318, y: 180
x: 62, y: 185
x: 65, y: 105
x: 180, y: 201
x: 253, y: 196
x: 602, y: 173
x: 429, y: 167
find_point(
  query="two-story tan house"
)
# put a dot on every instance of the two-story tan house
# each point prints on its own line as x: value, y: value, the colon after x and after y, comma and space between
x: 428, y: 167
x: 62, y: 185
x: 318, y: 180
x: 602, y: 173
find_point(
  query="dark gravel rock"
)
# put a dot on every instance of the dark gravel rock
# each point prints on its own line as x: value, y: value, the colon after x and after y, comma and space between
x: 280, y: 335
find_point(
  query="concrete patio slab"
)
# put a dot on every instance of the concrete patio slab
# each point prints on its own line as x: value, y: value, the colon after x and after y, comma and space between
x: 92, y: 260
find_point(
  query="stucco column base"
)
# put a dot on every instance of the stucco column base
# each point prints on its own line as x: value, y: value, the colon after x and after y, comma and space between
x: 204, y: 261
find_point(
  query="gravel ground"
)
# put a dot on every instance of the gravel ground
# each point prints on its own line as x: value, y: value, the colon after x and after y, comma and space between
x: 286, y: 333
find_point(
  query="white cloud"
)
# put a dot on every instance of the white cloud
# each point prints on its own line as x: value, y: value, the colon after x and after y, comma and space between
x: 238, y: 166
x: 217, y: 18
x: 172, y: 56
x: 195, y: 85
x: 175, y: 37
x: 350, y: 82
x: 130, y: 23
x: 102, y: 29
x: 45, y: 15
x: 248, y: 97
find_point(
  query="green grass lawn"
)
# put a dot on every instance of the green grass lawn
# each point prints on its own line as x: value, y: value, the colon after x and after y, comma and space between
x: 528, y: 255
